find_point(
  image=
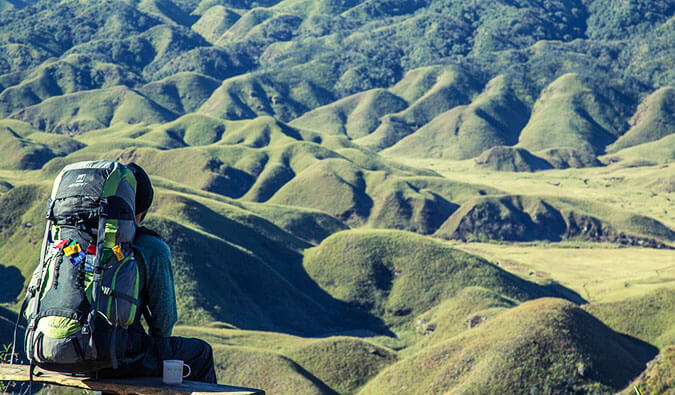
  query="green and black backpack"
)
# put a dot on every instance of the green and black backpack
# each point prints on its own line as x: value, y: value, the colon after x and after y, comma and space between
x: 84, y: 294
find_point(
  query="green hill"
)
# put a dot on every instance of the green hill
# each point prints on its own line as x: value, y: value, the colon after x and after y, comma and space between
x: 493, y: 118
x: 397, y: 275
x: 511, y: 218
x: 430, y: 93
x: 181, y: 93
x: 510, y: 159
x: 659, y: 151
x: 214, y: 22
x: 649, y: 318
x: 28, y: 148
x: 653, y: 120
x: 281, y: 363
x: 544, y: 345
x: 570, y: 114
x: 83, y: 111
x: 354, y: 116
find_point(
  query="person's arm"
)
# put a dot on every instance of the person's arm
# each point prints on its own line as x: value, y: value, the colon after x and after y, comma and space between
x: 160, y: 287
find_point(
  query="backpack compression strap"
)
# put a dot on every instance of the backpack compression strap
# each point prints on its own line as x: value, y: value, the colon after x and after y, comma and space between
x: 88, y: 327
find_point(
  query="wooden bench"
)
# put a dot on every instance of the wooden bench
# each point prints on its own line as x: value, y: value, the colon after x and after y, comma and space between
x: 139, y: 385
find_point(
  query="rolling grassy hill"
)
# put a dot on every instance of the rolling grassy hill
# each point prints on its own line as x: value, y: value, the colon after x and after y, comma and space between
x: 324, y: 169
x: 562, y: 349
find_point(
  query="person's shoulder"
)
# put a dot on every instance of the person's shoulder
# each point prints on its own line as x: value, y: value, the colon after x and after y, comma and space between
x: 151, y: 243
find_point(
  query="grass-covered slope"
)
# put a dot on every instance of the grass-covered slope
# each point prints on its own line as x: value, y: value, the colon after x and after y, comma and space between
x: 546, y: 345
x: 83, y: 111
x: 650, y: 317
x: 354, y: 116
x: 658, y: 378
x: 570, y: 114
x: 511, y: 159
x: 655, y: 152
x: 513, y: 218
x: 282, y: 363
x: 493, y: 118
x: 398, y: 275
x: 652, y: 121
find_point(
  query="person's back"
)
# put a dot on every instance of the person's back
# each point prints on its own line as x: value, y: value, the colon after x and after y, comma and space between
x: 145, y: 352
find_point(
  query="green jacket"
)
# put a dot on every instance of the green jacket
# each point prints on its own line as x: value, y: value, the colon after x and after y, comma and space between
x: 155, y: 259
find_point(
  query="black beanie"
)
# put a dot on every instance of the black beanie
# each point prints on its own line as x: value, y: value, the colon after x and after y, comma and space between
x: 144, y: 192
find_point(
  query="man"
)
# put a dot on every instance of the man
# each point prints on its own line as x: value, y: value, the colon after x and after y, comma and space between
x: 145, y: 352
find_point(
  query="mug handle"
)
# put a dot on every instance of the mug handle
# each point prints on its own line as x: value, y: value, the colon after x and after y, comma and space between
x: 189, y: 370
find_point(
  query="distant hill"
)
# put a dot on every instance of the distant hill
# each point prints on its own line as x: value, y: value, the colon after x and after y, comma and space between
x: 561, y: 80
x: 652, y: 121
x: 512, y: 218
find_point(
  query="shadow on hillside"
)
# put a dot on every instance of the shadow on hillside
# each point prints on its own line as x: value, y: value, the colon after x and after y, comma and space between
x: 644, y: 352
x: 11, y: 283
x: 250, y: 275
x: 563, y: 292
x: 7, y: 322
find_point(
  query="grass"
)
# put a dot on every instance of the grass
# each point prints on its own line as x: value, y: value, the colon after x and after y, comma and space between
x: 94, y: 110
x: 545, y: 345
x: 399, y: 275
x: 278, y: 362
x: 643, y: 190
x: 493, y: 118
x: 649, y: 317
x: 652, y: 121
x: 569, y: 114
x: 658, y: 378
x: 214, y: 22
x: 599, y: 275
x: 451, y: 87
x: 182, y: 92
x: 354, y: 116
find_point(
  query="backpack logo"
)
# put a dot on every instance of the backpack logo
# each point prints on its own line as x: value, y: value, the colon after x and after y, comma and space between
x: 79, y: 181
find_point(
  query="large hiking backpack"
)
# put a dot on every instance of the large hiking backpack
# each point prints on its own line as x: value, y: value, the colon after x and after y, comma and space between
x: 84, y: 293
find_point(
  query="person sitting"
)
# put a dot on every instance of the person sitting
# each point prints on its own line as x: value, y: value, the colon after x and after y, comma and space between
x: 146, y: 351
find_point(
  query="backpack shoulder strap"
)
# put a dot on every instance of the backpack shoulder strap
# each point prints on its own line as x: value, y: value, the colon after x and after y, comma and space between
x: 145, y: 297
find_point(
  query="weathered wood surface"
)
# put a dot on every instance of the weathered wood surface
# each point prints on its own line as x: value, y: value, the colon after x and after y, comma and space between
x: 140, y: 385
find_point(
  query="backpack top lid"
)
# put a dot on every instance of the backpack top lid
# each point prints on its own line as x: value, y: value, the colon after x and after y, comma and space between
x: 80, y: 188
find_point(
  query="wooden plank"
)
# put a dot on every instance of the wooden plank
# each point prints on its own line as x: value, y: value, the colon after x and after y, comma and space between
x: 139, y: 385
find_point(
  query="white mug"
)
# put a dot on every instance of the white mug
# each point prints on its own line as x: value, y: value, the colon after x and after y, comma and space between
x: 173, y: 371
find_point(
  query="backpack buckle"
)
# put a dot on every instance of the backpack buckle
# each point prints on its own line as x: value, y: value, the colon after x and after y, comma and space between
x: 33, y: 324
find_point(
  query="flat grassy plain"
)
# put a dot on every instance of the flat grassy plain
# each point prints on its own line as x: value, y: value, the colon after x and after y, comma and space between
x: 599, y: 274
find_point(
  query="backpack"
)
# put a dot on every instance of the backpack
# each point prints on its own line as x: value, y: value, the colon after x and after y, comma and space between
x: 84, y: 293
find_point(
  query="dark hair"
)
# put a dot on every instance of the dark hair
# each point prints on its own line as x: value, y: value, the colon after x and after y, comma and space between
x: 144, y: 192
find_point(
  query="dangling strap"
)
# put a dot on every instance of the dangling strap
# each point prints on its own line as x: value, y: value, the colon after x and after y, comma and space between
x: 31, y: 370
x: 32, y: 323
x: 29, y: 294
x: 113, y: 351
